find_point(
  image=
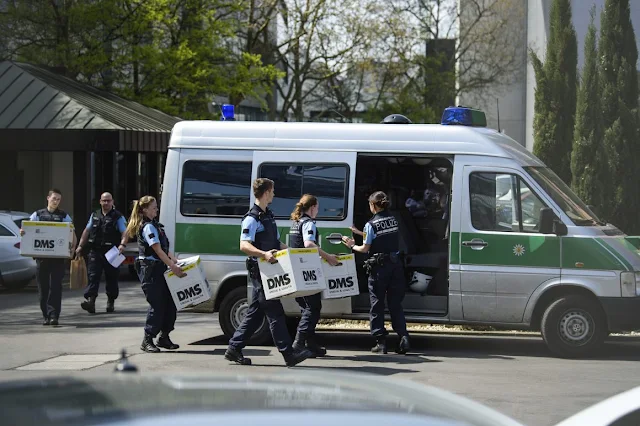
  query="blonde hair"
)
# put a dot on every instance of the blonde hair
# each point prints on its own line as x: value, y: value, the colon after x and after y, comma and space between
x: 306, y: 202
x: 261, y: 185
x: 136, y: 219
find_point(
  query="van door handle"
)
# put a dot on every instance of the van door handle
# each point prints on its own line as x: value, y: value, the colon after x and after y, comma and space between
x: 475, y: 244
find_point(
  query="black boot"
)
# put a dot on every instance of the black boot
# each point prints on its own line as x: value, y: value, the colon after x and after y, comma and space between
x: 46, y: 321
x: 235, y: 355
x: 403, y: 346
x: 111, y: 305
x: 165, y: 342
x: 89, y: 305
x: 54, y: 320
x: 314, y: 347
x: 381, y: 346
x: 294, y: 357
x: 148, y: 345
x: 300, y: 341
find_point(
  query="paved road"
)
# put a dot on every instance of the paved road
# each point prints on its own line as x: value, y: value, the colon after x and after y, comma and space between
x: 514, y: 375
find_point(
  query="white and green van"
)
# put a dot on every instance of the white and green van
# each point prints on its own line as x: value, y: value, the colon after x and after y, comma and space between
x: 508, y: 244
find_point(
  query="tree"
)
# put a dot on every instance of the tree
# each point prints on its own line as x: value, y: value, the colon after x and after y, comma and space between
x: 555, y: 97
x: 619, y: 97
x: 173, y: 55
x: 589, y: 166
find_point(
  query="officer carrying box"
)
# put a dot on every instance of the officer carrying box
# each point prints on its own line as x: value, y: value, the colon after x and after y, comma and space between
x: 105, y: 229
x: 51, y: 271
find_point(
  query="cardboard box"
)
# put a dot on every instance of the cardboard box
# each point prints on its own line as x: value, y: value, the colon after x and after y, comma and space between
x: 46, y: 239
x: 298, y: 273
x: 342, y: 280
x: 190, y: 290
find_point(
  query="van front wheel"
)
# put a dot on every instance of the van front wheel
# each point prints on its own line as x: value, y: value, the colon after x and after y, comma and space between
x: 233, y: 309
x: 573, y: 326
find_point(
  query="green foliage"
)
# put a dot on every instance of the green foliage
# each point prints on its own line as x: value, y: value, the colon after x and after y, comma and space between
x: 555, y: 98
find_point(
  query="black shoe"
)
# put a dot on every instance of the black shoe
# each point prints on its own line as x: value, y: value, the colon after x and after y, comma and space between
x: 148, y: 345
x: 380, y: 347
x: 165, y: 342
x: 300, y: 341
x: 295, y: 357
x: 235, y: 355
x: 46, y: 321
x: 110, y: 305
x: 89, y: 305
x: 404, y: 346
x: 315, y: 348
x: 53, y: 321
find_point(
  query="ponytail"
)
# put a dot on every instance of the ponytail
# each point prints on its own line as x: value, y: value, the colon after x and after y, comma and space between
x: 380, y: 200
x: 136, y: 219
x: 306, y: 202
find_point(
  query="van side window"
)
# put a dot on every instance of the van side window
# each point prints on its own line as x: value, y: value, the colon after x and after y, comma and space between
x: 503, y: 202
x: 215, y: 188
x: 328, y: 182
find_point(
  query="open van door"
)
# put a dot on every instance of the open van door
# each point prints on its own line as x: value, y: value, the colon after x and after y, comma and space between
x: 330, y: 176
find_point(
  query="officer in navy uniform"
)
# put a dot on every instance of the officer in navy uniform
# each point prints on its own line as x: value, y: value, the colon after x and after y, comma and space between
x: 386, y: 275
x: 50, y: 272
x: 303, y: 233
x: 105, y: 229
x: 153, y: 260
x: 260, y: 239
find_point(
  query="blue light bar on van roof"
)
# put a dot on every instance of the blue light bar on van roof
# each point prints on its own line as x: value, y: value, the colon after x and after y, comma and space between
x: 228, y: 112
x: 463, y: 116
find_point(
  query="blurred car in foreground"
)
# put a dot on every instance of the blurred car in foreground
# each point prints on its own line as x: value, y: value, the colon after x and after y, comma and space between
x: 16, y: 271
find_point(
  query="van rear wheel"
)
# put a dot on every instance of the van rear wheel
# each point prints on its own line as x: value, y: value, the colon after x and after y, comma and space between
x: 233, y: 309
x: 573, y: 326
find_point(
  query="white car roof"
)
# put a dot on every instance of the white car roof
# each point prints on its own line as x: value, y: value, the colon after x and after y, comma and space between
x: 391, y: 138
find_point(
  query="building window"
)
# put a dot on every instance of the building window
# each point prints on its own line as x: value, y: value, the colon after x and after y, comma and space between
x: 215, y: 188
x: 503, y: 202
x: 328, y: 182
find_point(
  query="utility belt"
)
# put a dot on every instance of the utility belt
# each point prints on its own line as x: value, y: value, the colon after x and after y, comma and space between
x: 381, y: 259
x: 253, y: 268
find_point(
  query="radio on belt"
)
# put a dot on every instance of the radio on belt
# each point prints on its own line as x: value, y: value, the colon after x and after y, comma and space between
x: 46, y: 239
x: 298, y: 273
x: 190, y: 290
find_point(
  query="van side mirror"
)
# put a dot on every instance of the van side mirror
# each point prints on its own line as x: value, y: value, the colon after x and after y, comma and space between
x: 550, y: 224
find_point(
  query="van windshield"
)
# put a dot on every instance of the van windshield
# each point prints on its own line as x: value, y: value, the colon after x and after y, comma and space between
x: 564, y: 197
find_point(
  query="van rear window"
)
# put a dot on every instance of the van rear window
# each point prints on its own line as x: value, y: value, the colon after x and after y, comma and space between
x: 215, y: 188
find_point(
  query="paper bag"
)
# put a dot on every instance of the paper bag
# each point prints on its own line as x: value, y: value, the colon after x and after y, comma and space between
x: 78, y: 274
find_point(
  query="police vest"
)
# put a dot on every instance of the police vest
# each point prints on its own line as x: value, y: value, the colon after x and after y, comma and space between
x: 267, y: 239
x: 104, y: 230
x: 144, y: 249
x: 46, y: 216
x: 385, y: 227
x: 296, y: 239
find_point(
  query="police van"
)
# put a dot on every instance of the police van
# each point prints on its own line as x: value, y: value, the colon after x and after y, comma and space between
x: 497, y: 236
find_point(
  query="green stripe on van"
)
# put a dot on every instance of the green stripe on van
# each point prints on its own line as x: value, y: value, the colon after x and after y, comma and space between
x: 205, y: 238
x: 594, y: 253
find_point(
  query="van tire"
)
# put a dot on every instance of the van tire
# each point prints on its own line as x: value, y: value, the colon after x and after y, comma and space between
x: 231, y: 314
x: 573, y: 326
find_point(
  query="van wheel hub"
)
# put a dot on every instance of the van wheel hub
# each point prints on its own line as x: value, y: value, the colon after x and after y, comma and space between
x: 238, y: 312
x: 576, y: 327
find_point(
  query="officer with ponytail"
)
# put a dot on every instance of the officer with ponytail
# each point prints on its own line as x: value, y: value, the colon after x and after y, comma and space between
x: 154, y: 258
x: 386, y: 275
x: 303, y: 233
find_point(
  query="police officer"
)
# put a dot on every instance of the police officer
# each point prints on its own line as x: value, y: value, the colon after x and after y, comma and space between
x: 105, y: 229
x: 303, y: 233
x: 50, y: 272
x: 386, y: 276
x: 153, y: 260
x: 260, y: 239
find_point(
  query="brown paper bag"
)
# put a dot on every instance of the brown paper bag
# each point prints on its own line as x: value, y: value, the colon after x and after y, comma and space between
x: 78, y: 274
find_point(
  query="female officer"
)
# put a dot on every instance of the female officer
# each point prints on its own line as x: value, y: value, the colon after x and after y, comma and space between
x: 303, y: 233
x: 386, y: 276
x: 153, y: 260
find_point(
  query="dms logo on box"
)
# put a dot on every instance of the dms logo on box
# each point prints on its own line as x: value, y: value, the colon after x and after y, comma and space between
x: 278, y: 281
x: 335, y: 283
x: 189, y: 292
x: 44, y: 244
x: 309, y: 275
